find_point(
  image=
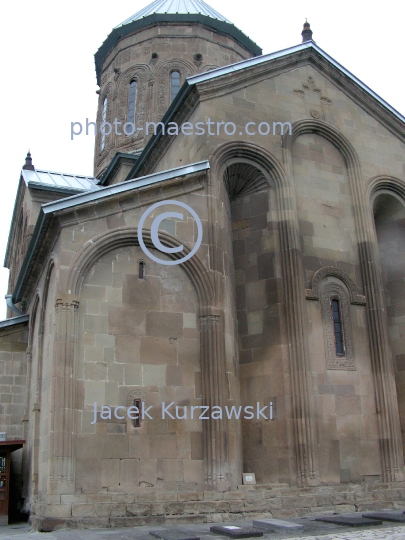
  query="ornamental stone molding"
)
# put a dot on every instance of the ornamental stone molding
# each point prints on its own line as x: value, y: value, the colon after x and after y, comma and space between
x: 135, y: 394
x: 320, y: 275
x: 334, y: 361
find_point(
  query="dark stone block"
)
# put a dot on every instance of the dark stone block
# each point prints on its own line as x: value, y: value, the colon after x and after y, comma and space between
x: 400, y: 361
x: 265, y: 263
x: 235, y: 532
x: 258, y: 222
x: 306, y: 228
x: 245, y: 357
x: 259, y: 204
x: 311, y: 263
x: 173, y: 534
x: 350, y: 521
x: 386, y: 516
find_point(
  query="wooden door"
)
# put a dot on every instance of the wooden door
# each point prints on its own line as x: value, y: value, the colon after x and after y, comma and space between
x: 4, y: 482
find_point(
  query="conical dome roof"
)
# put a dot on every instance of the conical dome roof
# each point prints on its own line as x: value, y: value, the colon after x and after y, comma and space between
x: 174, y: 7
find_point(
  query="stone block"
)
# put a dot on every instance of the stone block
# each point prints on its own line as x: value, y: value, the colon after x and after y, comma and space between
x: 164, y: 324
x: 277, y: 525
x: 129, y: 472
x: 395, y: 517
x: 348, y: 405
x: 232, y: 531
x: 163, y: 446
x: 193, y: 470
x: 173, y: 534
x: 139, y: 509
x: 173, y: 470
x: 153, y: 375
x: 148, y: 472
x: 196, y: 445
x: 142, y: 294
x: 109, y: 510
x: 349, y: 521
x: 128, y: 322
x: 158, y: 350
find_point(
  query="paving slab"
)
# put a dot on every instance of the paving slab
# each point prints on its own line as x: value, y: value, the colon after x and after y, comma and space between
x: 386, y: 516
x: 350, y: 521
x: 277, y: 525
x: 173, y: 534
x: 235, y: 532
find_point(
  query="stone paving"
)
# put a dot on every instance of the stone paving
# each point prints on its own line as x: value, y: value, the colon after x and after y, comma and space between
x: 312, y: 531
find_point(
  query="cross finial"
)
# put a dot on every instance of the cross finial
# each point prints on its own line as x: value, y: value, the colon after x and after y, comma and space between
x: 306, y: 32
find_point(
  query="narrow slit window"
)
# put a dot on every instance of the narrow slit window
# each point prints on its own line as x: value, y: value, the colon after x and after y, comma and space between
x: 337, y: 328
x: 175, y: 83
x: 132, y: 102
x: 141, y: 270
x: 103, y: 121
x: 138, y: 405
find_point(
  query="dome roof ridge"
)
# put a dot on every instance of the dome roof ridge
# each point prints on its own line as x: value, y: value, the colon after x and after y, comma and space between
x: 173, y: 7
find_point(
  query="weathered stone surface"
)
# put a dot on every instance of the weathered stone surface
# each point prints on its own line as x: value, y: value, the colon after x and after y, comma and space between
x: 173, y: 534
x: 235, y: 532
x: 277, y: 525
x: 350, y: 521
x: 386, y: 516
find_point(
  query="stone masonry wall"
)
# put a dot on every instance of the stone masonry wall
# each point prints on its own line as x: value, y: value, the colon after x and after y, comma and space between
x: 150, y: 507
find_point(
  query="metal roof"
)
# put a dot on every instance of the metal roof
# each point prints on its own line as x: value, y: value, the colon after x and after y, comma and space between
x: 174, y: 7
x: 48, y: 209
x: 56, y: 181
x: 14, y: 320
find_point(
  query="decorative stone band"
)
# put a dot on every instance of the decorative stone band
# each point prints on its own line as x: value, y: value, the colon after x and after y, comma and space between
x: 355, y: 296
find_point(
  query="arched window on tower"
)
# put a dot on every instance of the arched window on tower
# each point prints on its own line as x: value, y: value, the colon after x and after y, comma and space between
x: 132, y: 102
x: 103, y: 121
x: 174, y: 83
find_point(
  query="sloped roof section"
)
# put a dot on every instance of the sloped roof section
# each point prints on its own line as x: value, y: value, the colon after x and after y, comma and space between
x: 61, y: 182
x: 174, y: 7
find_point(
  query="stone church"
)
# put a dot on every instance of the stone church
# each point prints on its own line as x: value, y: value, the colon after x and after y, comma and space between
x: 292, y: 307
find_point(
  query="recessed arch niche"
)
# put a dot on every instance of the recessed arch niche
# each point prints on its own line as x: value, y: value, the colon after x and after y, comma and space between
x: 389, y: 219
x: 255, y: 270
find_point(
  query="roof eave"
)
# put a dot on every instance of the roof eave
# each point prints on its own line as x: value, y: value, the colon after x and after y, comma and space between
x: 13, y: 321
x: 48, y: 210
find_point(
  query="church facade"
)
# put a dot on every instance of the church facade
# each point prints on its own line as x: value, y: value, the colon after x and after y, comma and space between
x: 145, y: 386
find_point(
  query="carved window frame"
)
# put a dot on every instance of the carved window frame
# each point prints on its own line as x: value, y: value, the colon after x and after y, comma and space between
x: 134, y: 397
x: 334, y: 291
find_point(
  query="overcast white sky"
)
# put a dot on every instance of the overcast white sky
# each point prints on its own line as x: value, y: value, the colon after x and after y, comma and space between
x: 49, y: 78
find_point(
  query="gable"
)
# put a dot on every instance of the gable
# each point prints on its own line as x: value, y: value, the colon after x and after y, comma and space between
x: 283, y: 85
